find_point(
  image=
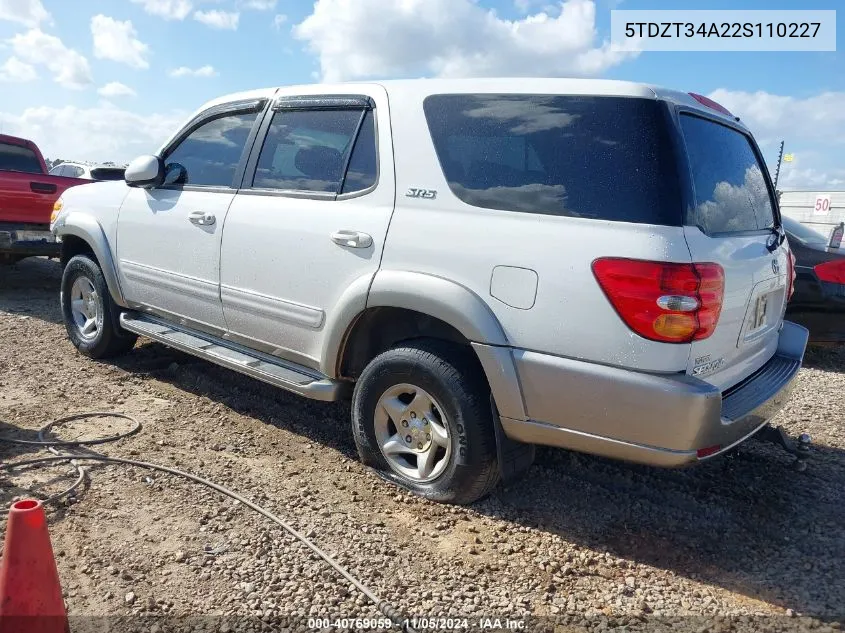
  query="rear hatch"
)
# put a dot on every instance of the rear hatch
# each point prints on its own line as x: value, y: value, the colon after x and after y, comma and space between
x: 732, y: 222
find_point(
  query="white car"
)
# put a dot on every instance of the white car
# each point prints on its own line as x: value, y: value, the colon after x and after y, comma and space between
x: 88, y: 172
x: 484, y: 265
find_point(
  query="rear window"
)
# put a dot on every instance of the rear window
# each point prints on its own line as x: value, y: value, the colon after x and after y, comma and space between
x: 18, y: 158
x: 107, y: 173
x: 730, y: 189
x: 605, y: 158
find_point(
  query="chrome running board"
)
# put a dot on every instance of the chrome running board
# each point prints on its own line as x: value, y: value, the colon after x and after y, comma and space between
x: 272, y: 370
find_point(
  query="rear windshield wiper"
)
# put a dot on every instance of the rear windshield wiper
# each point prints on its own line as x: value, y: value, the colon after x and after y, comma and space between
x: 777, y: 238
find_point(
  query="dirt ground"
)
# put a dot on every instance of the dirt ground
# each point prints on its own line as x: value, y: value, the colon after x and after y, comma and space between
x: 738, y: 543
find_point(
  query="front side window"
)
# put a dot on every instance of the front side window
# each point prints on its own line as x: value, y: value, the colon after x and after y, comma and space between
x: 606, y: 158
x: 325, y: 151
x: 731, y: 194
x: 211, y: 153
x: 18, y: 158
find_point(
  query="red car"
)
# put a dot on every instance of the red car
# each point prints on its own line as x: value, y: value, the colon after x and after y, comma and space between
x: 27, y: 195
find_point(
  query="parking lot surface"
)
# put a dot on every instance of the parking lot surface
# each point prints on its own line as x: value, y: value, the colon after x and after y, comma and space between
x: 580, y: 542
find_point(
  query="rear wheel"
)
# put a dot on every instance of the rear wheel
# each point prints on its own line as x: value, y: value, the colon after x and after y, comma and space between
x: 89, y: 312
x: 421, y: 415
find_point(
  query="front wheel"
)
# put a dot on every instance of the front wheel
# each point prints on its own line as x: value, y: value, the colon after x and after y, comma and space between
x: 421, y: 415
x: 89, y: 312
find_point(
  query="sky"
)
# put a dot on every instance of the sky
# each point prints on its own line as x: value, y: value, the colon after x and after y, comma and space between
x: 106, y: 80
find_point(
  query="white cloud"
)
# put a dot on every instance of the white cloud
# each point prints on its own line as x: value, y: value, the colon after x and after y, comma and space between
x: 97, y: 134
x: 456, y: 38
x: 16, y: 71
x: 116, y: 89
x: 279, y: 20
x: 215, y: 19
x: 770, y: 116
x: 167, y: 9
x: 30, y: 13
x: 117, y: 41
x: 69, y: 68
x: 184, y: 71
x: 258, y: 5
x: 812, y: 127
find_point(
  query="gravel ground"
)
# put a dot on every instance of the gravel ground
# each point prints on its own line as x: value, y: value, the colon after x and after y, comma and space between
x: 738, y: 543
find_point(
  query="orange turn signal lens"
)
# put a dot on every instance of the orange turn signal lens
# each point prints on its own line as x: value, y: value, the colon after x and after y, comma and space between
x: 675, y: 326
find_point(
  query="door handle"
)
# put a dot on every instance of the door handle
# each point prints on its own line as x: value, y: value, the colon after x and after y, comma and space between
x: 42, y: 187
x: 202, y: 219
x: 352, y: 239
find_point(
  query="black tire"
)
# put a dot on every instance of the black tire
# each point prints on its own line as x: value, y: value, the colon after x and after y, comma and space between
x: 110, y: 339
x: 455, y: 380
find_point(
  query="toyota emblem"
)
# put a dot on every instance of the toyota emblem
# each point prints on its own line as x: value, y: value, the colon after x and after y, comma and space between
x: 775, y: 267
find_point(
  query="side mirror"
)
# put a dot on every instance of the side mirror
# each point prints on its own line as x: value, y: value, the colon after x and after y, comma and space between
x: 175, y: 174
x: 145, y: 171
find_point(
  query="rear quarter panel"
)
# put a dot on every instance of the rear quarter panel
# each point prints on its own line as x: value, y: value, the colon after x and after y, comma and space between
x: 570, y: 315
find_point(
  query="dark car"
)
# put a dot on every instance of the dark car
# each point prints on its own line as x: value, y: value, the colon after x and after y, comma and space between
x: 819, y: 300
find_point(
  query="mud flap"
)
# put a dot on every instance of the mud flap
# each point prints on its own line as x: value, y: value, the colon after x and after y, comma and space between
x: 514, y: 458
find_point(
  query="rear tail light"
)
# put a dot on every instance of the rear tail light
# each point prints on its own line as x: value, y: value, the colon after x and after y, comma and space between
x: 791, y: 269
x: 832, y: 271
x: 662, y: 301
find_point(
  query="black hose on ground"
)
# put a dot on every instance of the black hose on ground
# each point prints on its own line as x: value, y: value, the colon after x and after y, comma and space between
x: 384, y: 607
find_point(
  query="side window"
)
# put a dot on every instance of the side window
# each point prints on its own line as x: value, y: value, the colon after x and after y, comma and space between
x: 307, y: 150
x: 211, y: 153
x: 18, y: 158
x: 58, y: 170
x: 73, y: 171
x: 603, y: 158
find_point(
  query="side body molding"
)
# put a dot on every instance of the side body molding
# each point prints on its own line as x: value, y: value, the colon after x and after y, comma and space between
x: 86, y: 227
x: 442, y: 299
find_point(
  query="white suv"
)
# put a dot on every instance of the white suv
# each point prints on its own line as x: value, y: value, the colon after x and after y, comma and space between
x: 88, y: 172
x: 484, y: 264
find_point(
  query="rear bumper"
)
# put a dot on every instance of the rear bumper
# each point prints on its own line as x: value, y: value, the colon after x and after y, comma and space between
x: 660, y: 420
x: 28, y: 239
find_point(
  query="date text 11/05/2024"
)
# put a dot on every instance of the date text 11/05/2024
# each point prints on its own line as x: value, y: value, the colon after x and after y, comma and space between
x: 419, y: 624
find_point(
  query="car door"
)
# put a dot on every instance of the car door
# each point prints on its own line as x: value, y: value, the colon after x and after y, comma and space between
x: 309, y: 221
x: 168, y: 238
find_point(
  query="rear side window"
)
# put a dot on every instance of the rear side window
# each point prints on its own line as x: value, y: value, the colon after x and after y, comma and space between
x: 606, y: 158
x: 731, y: 194
x: 322, y: 151
x: 18, y: 158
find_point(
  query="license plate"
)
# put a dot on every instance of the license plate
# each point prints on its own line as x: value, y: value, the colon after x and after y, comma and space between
x: 760, y: 312
x: 34, y: 236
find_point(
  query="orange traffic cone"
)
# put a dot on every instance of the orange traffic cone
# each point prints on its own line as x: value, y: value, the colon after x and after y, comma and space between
x: 30, y: 594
